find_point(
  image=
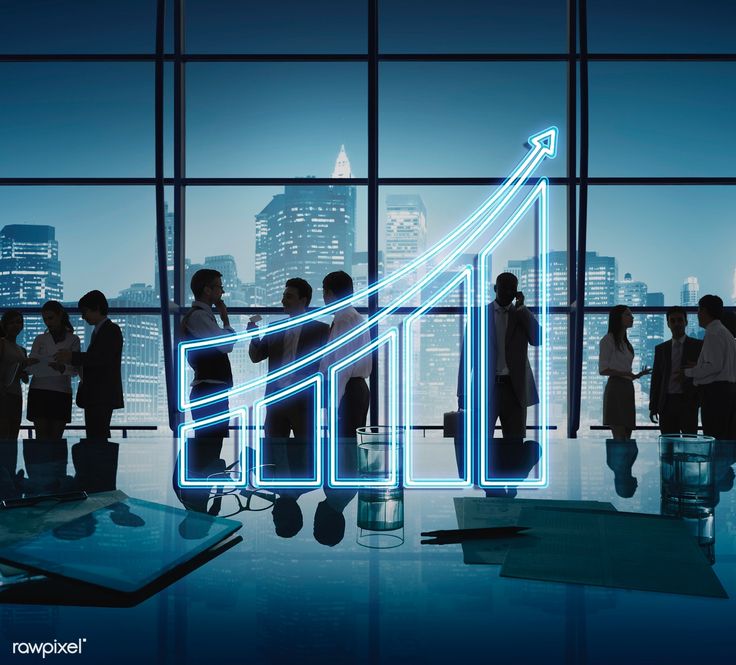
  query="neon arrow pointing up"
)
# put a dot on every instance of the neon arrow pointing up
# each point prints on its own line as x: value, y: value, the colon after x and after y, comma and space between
x: 543, y: 145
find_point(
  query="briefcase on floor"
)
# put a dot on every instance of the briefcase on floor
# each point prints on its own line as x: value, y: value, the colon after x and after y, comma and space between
x: 452, y: 424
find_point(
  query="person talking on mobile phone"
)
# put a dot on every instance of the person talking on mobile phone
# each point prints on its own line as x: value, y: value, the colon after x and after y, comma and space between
x: 511, y: 388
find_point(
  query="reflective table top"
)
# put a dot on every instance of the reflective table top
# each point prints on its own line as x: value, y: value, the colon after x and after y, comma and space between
x: 307, y: 582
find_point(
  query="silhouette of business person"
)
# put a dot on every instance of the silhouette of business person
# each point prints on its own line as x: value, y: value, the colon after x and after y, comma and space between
x: 511, y: 329
x: 295, y: 413
x: 100, y: 391
x: 615, y: 360
x: 353, y: 394
x: 13, y: 365
x: 50, y: 397
x: 511, y: 386
x: 715, y: 371
x: 673, y: 400
x: 212, y: 370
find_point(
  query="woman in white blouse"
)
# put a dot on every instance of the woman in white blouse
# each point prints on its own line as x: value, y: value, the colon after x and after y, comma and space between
x: 50, y: 394
x: 615, y: 361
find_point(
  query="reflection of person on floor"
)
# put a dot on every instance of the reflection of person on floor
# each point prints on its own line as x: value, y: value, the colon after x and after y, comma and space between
x: 620, y: 458
x: 295, y: 413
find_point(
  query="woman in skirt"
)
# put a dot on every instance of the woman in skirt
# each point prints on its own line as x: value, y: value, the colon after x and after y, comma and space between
x: 615, y: 361
x: 50, y: 393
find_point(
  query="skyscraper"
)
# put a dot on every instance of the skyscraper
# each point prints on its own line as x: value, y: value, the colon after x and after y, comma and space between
x: 360, y: 269
x: 142, y: 361
x: 308, y: 231
x: 234, y: 289
x: 30, y: 271
x: 634, y: 294
x: 689, y: 296
x: 406, y: 238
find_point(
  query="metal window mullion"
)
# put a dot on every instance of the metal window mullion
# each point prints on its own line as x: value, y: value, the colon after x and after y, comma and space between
x: 583, y: 211
x: 373, y: 190
x: 572, y: 385
x: 179, y: 193
x: 161, y: 245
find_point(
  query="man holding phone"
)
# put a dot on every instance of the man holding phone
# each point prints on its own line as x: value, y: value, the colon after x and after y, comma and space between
x: 511, y: 387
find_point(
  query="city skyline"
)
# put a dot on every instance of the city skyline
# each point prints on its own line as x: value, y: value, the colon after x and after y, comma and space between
x: 407, y: 226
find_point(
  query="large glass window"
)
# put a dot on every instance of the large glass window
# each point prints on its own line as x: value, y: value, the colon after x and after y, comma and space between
x: 284, y: 120
x: 302, y: 143
x: 449, y: 119
x: 661, y: 118
x: 81, y: 119
x: 472, y: 26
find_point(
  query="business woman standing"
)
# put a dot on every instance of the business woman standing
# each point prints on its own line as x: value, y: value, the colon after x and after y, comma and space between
x: 615, y: 361
x: 50, y: 393
x: 13, y: 362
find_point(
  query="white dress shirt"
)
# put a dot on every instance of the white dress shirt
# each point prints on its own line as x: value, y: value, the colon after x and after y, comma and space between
x: 346, y: 320
x: 200, y: 323
x: 44, y: 347
x: 717, y: 360
x: 613, y: 357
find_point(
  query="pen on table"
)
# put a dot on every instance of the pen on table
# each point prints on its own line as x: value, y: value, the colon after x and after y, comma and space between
x: 459, y: 535
x: 34, y: 500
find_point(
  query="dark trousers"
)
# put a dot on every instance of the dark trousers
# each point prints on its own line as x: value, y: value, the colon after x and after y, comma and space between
x: 353, y: 410
x: 505, y: 406
x: 679, y: 415
x: 207, y: 441
x: 97, y: 419
x: 291, y: 458
x: 502, y: 405
x: 717, y: 410
x: 11, y: 413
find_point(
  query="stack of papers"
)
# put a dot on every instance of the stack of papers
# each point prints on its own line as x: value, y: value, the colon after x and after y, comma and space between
x: 588, y: 542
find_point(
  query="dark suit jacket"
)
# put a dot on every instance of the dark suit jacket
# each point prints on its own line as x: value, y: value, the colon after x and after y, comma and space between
x: 101, y: 384
x: 521, y: 331
x: 662, y: 370
x: 313, y: 335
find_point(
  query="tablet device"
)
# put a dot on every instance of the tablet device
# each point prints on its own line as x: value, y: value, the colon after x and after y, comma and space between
x: 124, y: 546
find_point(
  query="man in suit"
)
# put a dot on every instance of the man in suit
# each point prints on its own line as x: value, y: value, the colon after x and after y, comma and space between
x: 100, y: 391
x: 296, y: 413
x: 673, y: 400
x: 211, y: 365
x: 511, y: 387
x: 353, y: 394
x: 714, y: 374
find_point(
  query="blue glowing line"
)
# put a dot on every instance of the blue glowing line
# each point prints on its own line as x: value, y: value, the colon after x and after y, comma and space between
x: 543, y: 144
x: 464, y: 276
x: 390, y: 339
x: 186, y: 428
x: 539, y: 194
x: 314, y: 383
